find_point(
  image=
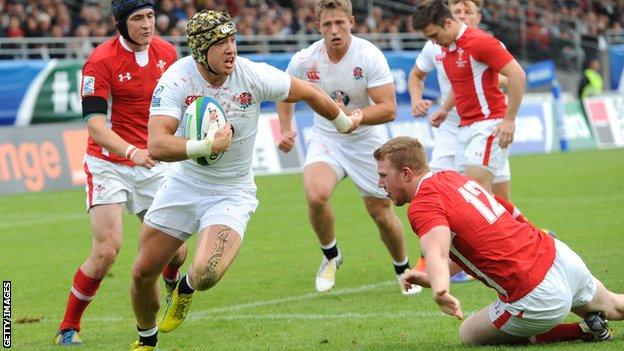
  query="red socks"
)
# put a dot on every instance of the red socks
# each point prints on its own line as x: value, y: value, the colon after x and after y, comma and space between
x: 561, y: 332
x: 170, y: 273
x: 82, y: 292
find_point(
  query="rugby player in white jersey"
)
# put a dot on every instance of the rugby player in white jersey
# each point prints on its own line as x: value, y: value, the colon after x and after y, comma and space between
x: 216, y: 200
x: 356, y: 74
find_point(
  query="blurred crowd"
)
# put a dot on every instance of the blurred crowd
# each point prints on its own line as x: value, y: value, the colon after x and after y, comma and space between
x: 537, y: 29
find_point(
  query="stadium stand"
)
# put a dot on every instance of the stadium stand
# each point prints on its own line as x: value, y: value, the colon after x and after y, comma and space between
x: 567, y: 31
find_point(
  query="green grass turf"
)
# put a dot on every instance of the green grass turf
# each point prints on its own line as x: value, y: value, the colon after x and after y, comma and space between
x: 267, y: 300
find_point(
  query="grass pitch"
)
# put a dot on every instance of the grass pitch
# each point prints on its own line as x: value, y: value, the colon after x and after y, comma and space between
x: 267, y: 299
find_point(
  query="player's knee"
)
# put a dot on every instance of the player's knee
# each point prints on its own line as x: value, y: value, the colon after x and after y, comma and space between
x: 317, y: 197
x: 179, y: 257
x: 140, y: 274
x: 205, y: 278
x: 466, y: 336
x: 105, y: 256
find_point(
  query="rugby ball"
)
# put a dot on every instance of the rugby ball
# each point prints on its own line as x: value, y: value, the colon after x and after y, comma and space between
x: 203, y: 118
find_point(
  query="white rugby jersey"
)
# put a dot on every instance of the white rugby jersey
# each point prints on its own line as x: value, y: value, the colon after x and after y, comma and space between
x: 363, y: 66
x: 430, y: 58
x: 240, y: 95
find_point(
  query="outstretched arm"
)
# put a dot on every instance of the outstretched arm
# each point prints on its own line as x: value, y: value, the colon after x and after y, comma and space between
x: 322, y: 104
x: 435, y: 245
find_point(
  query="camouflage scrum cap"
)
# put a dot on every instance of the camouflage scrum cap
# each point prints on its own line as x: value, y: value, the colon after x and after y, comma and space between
x: 204, y: 30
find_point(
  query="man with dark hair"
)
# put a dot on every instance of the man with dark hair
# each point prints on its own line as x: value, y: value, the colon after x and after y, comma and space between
x: 215, y: 201
x: 472, y: 60
x: 117, y: 81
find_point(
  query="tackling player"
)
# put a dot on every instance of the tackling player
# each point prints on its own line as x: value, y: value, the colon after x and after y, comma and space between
x: 538, y: 279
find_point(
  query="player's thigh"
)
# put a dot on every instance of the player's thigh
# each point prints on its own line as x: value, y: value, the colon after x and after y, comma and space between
x: 502, y: 189
x: 605, y: 301
x: 156, y: 249
x: 319, y: 180
x: 378, y: 207
x: 106, y: 224
x: 479, y: 330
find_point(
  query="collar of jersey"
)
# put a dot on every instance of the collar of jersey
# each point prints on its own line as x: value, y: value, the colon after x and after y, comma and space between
x: 125, y: 46
x: 462, y: 30
x: 428, y: 175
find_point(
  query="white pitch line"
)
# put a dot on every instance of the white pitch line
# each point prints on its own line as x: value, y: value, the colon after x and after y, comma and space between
x: 309, y: 296
x: 218, y: 312
x: 45, y: 219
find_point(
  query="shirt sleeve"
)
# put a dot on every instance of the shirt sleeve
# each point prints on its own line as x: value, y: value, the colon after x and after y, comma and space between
x: 378, y: 71
x: 491, y: 51
x: 424, y: 61
x: 294, y: 66
x: 95, y: 79
x: 273, y: 84
x: 427, y: 211
x: 167, y: 97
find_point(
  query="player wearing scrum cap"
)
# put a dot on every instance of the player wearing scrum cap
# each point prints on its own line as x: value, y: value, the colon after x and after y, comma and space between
x: 217, y: 200
x: 120, y: 73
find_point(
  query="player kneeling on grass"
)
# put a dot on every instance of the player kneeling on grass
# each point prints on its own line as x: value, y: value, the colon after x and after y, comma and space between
x: 216, y: 199
x: 539, y: 279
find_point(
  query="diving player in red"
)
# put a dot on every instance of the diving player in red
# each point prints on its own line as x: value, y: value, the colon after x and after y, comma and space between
x: 539, y: 279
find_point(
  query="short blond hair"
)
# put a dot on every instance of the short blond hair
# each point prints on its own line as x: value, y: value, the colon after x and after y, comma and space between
x: 322, y: 5
x: 478, y: 3
x: 404, y: 152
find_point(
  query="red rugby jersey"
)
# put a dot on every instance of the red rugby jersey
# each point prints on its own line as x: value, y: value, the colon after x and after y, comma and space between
x: 487, y: 242
x: 472, y: 64
x: 113, y: 72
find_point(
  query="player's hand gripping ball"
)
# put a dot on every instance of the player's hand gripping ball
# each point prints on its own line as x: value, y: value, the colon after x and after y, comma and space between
x: 203, y: 118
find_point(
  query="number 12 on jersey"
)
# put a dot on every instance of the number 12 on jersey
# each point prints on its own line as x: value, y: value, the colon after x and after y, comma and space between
x: 471, y: 191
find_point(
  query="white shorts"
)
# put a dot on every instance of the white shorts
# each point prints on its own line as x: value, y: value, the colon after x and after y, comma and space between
x: 113, y: 183
x: 353, y: 158
x: 446, y: 146
x: 478, y: 147
x: 184, y: 205
x: 567, y: 284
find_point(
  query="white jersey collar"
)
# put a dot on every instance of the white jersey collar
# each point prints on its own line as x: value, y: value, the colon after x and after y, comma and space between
x: 142, y: 58
x: 462, y: 30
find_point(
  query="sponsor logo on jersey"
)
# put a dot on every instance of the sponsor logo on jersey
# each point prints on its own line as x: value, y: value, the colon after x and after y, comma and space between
x: 358, y: 73
x: 156, y: 96
x: 189, y: 99
x: 313, y: 75
x: 88, y: 85
x: 125, y: 76
x: 245, y: 99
